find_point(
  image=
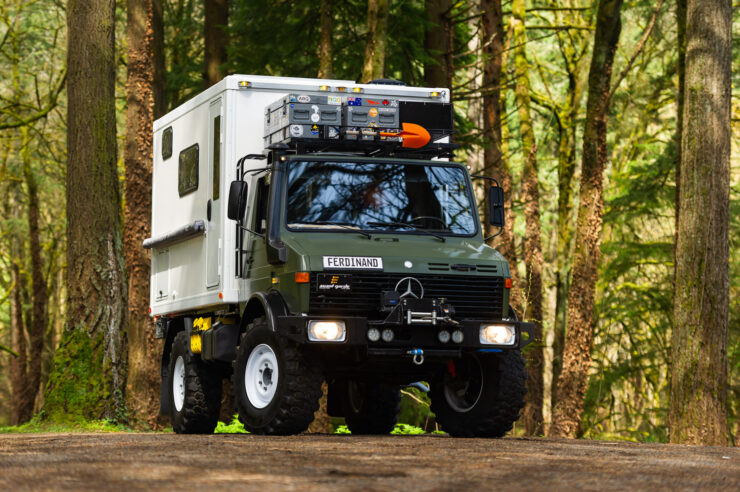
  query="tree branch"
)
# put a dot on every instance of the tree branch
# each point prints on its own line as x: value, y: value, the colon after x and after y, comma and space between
x: 638, y: 49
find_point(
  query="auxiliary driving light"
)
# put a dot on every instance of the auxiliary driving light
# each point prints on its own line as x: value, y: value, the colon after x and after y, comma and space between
x: 388, y: 335
x: 373, y: 334
x: 326, y: 331
x: 497, y: 334
x: 457, y: 336
x: 443, y: 336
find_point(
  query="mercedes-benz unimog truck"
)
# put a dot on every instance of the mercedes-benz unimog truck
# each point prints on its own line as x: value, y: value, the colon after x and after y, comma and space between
x: 308, y: 231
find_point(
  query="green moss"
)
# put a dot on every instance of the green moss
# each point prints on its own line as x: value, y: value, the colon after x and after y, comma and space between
x: 79, y: 383
x: 39, y: 424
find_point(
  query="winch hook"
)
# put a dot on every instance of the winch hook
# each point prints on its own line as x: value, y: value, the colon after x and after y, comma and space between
x: 418, y: 356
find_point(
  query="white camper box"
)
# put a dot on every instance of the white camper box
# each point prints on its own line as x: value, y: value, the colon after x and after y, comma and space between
x: 196, y: 147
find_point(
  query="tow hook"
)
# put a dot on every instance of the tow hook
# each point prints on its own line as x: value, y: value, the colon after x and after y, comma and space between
x: 418, y: 356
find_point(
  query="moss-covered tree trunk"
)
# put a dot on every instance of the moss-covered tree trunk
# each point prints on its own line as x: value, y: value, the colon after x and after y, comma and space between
x: 325, y: 49
x: 143, y: 369
x: 698, y: 389
x: 373, y: 65
x: 89, y: 374
x: 573, y: 47
x: 573, y: 379
x: 216, y: 40
x: 532, y: 416
x: 38, y: 321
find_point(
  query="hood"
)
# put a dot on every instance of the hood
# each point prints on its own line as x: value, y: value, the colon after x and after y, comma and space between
x: 425, y: 254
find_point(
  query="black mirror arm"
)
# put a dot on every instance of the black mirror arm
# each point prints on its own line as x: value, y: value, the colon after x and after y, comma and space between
x: 480, y: 176
x: 500, y: 230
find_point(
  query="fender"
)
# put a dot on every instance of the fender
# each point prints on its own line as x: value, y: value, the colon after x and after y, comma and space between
x: 270, y: 303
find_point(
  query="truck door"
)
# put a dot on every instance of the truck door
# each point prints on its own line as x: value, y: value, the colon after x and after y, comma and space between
x: 213, y: 206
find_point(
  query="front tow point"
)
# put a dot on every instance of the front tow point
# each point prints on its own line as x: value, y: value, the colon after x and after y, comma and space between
x: 418, y: 356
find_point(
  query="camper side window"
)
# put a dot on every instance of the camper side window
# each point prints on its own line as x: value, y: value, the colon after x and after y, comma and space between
x: 187, y: 175
x: 167, y: 143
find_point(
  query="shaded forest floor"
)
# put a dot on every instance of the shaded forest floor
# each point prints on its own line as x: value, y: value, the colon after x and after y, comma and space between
x: 127, y: 461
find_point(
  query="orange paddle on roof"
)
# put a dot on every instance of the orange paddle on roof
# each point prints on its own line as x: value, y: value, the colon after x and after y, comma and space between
x: 414, y: 136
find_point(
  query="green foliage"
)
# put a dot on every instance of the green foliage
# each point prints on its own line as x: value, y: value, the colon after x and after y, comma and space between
x: 234, y: 427
x: 183, y: 20
x: 399, y: 429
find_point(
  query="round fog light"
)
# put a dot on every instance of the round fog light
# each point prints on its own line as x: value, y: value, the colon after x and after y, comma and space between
x: 443, y: 336
x: 387, y: 335
x: 457, y: 336
x: 373, y: 334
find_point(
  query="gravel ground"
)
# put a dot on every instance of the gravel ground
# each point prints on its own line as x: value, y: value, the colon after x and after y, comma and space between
x: 335, y: 462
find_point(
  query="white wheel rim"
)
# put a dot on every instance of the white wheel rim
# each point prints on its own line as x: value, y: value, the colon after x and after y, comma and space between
x: 178, y: 383
x: 261, y: 376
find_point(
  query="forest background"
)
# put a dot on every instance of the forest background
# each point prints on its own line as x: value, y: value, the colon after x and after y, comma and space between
x: 530, y: 58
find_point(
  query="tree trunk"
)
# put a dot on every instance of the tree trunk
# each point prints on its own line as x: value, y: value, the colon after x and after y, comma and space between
x: 159, y: 87
x: 88, y: 378
x: 438, y: 70
x: 321, y: 421
x: 39, y: 295
x: 325, y: 49
x: 571, y: 385
x: 21, y: 406
x: 573, y: 48
x: 377, y: 36
x: 698, y: 389
x: 532, y: 417
x: 143, y: 369
x: 494, y: 157
x: 216, y: 40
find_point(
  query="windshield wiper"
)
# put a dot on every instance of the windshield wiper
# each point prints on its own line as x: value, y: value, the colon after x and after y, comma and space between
x: 410, y: 226
x: 343, y: 225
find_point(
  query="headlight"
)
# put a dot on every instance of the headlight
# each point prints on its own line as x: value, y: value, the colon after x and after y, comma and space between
x: 497, y: 335
x: 326, y: 331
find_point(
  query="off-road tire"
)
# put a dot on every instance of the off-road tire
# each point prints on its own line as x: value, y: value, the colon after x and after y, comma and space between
x: 370, y: 408
x: 504, y: 380
x: 202, y: 401
x: 296, y: 398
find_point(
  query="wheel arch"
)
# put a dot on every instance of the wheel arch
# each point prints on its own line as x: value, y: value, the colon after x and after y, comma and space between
x: 268, y: 304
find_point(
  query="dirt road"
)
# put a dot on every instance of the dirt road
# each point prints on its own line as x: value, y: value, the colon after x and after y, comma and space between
x: 313, y: 462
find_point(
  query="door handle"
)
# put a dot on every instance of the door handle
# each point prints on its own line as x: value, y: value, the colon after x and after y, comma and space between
x: 208, y: 210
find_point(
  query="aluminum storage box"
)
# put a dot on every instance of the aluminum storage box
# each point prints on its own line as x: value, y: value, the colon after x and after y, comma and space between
x: 302, y: 116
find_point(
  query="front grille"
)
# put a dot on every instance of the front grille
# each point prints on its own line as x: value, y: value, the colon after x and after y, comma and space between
x: 473, y: 297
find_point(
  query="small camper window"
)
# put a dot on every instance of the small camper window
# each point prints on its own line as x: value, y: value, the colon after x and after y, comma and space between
x: 188, y: 170
x: 167, y: 143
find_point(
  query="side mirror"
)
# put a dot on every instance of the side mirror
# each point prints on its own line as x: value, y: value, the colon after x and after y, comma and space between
x: 237, y: 200
x: 496, y: 206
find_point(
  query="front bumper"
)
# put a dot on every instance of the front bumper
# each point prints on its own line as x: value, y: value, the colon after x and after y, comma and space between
x: 406, y: 337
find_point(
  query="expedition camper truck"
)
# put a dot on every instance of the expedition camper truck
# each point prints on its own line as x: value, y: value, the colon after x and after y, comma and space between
x: 308, y: 230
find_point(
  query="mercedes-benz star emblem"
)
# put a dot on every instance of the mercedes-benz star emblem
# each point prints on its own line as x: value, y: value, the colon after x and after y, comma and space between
x: 413, y: 288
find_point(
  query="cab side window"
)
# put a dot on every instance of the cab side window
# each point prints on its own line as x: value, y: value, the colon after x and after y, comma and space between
x: 260, y: 220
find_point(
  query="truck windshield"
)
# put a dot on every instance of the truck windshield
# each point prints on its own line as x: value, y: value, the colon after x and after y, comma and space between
x: 377, y: 196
